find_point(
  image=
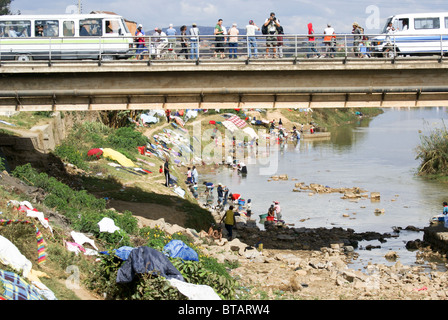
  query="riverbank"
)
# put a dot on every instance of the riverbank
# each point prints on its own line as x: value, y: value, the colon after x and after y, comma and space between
x: 296, y: 263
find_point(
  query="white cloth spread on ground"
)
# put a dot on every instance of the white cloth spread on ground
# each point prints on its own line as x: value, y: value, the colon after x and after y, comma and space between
x: 107, y: 225
x: 230, y: 126
x: 80, y: 239
x: 250, y: 132
x: 195, y: 291
x: 11, y: 256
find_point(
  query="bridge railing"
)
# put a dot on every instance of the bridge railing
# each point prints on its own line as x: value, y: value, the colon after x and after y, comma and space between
x: 210, y: 47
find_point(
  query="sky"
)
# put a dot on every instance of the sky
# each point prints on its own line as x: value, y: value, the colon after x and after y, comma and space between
x: 294, y: 15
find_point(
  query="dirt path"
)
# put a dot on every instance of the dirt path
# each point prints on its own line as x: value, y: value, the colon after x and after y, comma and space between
x: 145, y: 211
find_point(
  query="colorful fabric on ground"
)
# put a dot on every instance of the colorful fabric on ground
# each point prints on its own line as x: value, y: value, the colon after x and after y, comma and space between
x: 15, y: 288
x: 41, y: 250
x: 237, y: 121
x: 119, y: 157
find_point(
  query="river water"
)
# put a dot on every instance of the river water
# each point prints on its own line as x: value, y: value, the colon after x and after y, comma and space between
x: 376, y: 155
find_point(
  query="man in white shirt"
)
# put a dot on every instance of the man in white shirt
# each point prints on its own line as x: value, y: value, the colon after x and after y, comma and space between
x: 328, y: 40
x: 161, y: 41
x: 194, y: 40
x: 251, y: 28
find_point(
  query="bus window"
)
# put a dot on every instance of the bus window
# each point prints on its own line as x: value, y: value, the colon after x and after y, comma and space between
x: 46, y: 28
x: 15, y: 29
x: 403, y: 24
x: 446, y: 22
x: 389, y: 20
x: 426, y: 23
x: 90, y: 27
x: 68, y: 28
x: 112, y: 26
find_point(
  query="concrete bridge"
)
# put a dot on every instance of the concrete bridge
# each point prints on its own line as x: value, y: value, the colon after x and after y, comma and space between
x: 225, y: 84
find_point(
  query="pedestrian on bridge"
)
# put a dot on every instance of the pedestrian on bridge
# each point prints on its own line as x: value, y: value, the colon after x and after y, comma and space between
x: 357, y: 31
x: 251, y: 28
x: 171, y: 32
x: 233, y: 41
x: 183, y: 42
x: 194, y: 40
x: 312, y: 41
x: 140, y: 39
x: 272, y: 23
x: 219, y: 39
x: 328, y: 40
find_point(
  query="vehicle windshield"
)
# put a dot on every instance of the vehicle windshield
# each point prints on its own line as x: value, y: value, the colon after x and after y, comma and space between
x: 389, y: 20
x: 126, y: 29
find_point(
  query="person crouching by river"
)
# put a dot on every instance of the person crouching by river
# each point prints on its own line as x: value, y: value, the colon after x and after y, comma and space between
x: 278, y: 210
x: 229, y: 221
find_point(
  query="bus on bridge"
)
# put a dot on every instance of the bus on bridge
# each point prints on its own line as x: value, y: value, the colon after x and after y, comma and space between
x: 66, y: 36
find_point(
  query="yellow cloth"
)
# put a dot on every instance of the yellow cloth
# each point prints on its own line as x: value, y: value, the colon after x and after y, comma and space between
x: 34, y: 275
x: 117, y: 156
x: 229, y: 218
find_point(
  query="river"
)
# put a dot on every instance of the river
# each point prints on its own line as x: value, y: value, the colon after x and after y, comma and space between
x: 376, y: 155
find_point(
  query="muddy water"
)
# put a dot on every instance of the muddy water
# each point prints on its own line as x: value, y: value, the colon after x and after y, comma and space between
x: 377, y: 155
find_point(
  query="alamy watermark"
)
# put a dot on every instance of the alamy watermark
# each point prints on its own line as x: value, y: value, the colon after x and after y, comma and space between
x: 211, y: 146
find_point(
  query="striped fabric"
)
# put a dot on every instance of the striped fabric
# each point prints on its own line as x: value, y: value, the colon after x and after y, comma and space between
x: 41, y: 249
x: 237, y: 121
x: 15, y: 288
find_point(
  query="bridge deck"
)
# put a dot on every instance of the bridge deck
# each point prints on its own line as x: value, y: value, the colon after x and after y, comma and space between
x: 205, y: 84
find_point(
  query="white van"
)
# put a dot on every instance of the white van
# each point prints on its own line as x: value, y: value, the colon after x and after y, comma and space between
x: 414, y: 34
x: 66, y: 36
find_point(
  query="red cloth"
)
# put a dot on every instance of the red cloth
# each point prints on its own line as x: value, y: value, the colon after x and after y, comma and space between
x: 212, y: 122
x: 141, y: 150
x: 95, y: 152
x: 235, y: 196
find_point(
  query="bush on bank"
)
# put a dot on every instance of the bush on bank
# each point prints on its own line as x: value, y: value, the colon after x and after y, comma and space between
x: 206, y: 271
x: 433, y: 153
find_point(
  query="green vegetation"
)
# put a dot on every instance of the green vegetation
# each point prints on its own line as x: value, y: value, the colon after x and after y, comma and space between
x: 433, y: 153
x: 84, y: 211
x: 206, y: 271
x: 96, y: 135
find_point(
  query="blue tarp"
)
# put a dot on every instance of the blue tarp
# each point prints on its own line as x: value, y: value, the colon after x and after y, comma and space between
x: 147, y: 260
x: 122, y: 252
x: 178, y: 249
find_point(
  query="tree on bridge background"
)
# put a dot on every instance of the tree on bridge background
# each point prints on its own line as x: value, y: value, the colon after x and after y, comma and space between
x: 5, y: 7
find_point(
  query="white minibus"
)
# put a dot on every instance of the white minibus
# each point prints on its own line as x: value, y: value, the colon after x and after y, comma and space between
x: 67, y: 36
x: 413, y: 34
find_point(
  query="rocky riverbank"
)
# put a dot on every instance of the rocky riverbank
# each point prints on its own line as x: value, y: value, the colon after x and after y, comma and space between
x: 314, y: 264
